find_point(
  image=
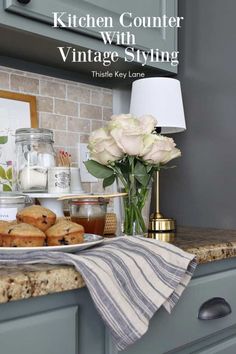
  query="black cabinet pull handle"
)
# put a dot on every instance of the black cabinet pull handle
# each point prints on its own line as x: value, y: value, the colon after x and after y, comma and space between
x: 217, y: 307
x: 24, y: 1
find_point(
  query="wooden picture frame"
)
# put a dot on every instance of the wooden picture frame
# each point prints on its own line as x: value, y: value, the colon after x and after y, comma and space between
x: 23, y: 98
x: 16, y: 111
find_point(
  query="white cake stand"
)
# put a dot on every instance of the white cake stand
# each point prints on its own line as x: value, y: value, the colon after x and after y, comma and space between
x: 51, y: 201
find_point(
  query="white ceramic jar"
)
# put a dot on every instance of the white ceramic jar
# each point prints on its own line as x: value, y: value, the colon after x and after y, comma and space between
x: 59, y: 180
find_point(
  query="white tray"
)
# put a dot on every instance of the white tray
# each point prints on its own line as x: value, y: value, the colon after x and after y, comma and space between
x: 89, y: 241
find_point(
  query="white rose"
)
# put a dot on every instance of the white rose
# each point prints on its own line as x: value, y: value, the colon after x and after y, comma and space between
x: 103, y: 147
x: 159, y: 149
x: 120, y: 117
x: 173, y: 154
x: 148, y: 123
x: 127, y: 132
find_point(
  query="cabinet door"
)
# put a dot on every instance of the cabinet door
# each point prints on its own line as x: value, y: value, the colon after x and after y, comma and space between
x: 146, y: 38
x: 51, y: 332
x: 225, y: 347
x: 179, y: 331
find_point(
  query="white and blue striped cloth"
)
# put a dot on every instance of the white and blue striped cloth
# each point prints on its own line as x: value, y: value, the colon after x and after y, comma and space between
x: 129, y: 279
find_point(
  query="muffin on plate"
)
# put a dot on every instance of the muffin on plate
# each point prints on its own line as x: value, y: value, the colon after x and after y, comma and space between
x: 22, y: 235
x: 38, y: 216
x: 62, y: 219
x: 65, y: 233
x: 3, y: 225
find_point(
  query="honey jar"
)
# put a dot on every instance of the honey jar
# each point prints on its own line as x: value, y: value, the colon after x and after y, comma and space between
x: 90, y: 213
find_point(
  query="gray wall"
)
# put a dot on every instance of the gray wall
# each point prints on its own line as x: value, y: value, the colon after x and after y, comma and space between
x: 121, y: 100
x: 201, y: 191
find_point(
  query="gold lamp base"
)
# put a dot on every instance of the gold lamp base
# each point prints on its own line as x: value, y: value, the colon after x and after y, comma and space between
x: 161, y: 228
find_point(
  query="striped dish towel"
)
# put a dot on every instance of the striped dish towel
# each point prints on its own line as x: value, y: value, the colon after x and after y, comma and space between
x: 129, y: 279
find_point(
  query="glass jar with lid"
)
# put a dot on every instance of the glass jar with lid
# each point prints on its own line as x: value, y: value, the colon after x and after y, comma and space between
x: 11, y: 203
x: 34, y: 156
x: 90, y: 213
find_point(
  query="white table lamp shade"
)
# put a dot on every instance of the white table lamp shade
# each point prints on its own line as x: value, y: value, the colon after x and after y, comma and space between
x: 161, y: 97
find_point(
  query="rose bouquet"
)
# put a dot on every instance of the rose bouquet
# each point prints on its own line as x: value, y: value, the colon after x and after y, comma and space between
x: 128, y: 150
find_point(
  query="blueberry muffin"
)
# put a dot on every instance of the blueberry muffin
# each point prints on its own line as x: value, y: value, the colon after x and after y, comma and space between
x: 62, y: 219
x: 22, y: 235
x: 36, y: 215
x: 65, y: 233
x: 3, y: 225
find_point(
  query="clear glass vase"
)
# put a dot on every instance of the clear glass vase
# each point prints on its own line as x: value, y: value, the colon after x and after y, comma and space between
x: 135, y: 211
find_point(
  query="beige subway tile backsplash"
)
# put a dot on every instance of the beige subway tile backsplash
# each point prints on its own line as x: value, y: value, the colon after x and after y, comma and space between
x: 107, y: 99
x: 4, y: 80
x: 24, y: 84
x: 53, y: 89
x: 90, y: 111
x: 74, y: 155
x: 53, y: 121
x: 66, y: 107
x: 84, y: 138
x: 71, y: 109
x: 45, y: 104
x: 66, y: 139
x: 97, y: 124
x: 79, y: 125
x: 106, y: 113
x: 101, y: 98
x: 78, y: 94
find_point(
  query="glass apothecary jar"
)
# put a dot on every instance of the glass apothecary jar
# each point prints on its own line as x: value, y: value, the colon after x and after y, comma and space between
x: 90, y: 213
x: 34, y: 156
x: 11, y: 203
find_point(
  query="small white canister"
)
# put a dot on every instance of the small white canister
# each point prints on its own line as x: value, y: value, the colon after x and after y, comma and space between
x: 11, y: 203
x: 59, y: 180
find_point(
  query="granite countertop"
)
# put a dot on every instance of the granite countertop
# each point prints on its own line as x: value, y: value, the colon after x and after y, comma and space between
x: 207, y: 244
x: 29, y: 281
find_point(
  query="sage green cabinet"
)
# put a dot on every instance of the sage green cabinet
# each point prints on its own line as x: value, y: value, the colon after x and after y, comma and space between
x: 182, y: 331
x: 41, y: 333
x: 68, y: 323
x: 162, y: 38
x: 64, y: 323
x: 227, y: 346
x: 29, y: 28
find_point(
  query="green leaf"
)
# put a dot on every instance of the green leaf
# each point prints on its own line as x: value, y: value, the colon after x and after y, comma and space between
x: 98, y: 170
x: 141, y: 174
x: 148, y: 168
x: 2, y: 173
x: 130, y: 159
x: 9, y: 173
x: 3, y: 139
x: 108, y: 181
x: 6, y: 188
x: 124, y: 167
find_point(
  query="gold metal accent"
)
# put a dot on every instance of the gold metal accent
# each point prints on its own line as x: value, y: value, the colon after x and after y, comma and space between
x: 160, y: 228
x: 162, y: 236
x: 161, y: 224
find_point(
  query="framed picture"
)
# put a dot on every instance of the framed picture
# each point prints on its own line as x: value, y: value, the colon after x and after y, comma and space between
x: 16, y: 111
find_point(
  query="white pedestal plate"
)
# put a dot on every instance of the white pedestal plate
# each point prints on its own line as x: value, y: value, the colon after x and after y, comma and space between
x: 51, y: 201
